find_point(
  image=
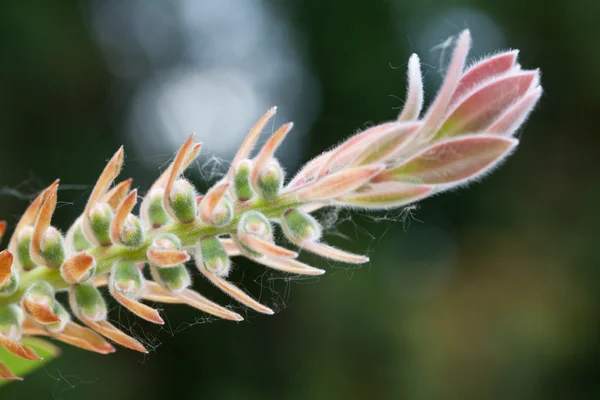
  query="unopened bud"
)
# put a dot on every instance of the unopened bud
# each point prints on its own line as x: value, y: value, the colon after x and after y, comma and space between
x: 175, y: 279
x: 23, y: 246
x: 241, y: 181
x: 100, y: 219
x: 211, y: 255
x: 132, y: 234
x: 183, y: 200
x: 78, y: 240
x: 52, y: 248
x: 165, y: 251
x: 223, y: 212
x: 88, y: 302
x: 256, y: 224
x: 10, y: 286
x: 62, y: 314
x: 38, y: 302
x: 270, y: 180
x: 156, y: 212
x: 299, y: 226
x: 127, y: 279
x: 11, y: 320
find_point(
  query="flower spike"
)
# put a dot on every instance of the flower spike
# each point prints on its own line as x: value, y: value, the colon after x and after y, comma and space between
x: 467, y: 130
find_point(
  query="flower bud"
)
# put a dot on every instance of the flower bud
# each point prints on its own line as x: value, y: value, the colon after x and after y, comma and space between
x: 270, y: 180
x: 10, y: 286
x: 88, y: 302
x: 256, y: 224
x: 211, y: 255
x: 100, y: 219
x: 157, y: 215
x: 23, y: 246
x: 38, y: 302
x: 11, y: 320
x: 175, y: 279
x: 62, y: 314
x: 183, y: 200
x: 78, y: 240
x: 52, y: 248
x: 127, y: 279
x: 9, y: 278
x: 299, y: 226
x: 132, y: 234
x: 223, y: 212
x: 241, y: 181
x: 165, y: 251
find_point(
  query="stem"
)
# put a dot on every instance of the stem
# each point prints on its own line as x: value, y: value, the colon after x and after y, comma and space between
x: 189, y: 234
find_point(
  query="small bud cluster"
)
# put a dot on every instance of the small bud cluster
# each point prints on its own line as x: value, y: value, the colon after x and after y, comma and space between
x: 467, y: 130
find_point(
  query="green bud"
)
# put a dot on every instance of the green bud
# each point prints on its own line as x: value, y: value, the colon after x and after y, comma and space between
x: 64, y: 316
x: 241, y: 181
x: 253, y: 223
x: 10, y: 286
x: 132, y: 234
x: 156, y: 211
x: 11, y: 320
x: 183, y: 200
x: 211, y: 254
x: 127, y: 279
x: 270, y: 181
x: 89, y: 302
x: 100, y: 218
x: 166, y: 241
x: 52, y: 248
x: 79, y: 241
x: 175, y: 279
x: 300, y: 226
x: 223, y: 213
x: 23, y: 246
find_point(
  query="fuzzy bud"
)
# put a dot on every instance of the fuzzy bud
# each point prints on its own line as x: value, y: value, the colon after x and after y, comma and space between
x: 38, y: 302
x: 299, y: 226
x: 78, y: 240
x: 101, y: 216
x: 165, y: 251
x: 183, y: 200
x: 241, y: 181
x: 88, y: 302
x: 52, y: 248
x: 156, y: 213
x: 223, y: 212
x: 63, y: 315
x: 132, y: 234
x: 176, y: 279
x: 270, y: 180
x: 9, y: 278
x: 127, y: 279
x: 10, y: 286
x: 23, y: 246
x: 256, y: 224
x: 211, y: 255
x: 11, y: 320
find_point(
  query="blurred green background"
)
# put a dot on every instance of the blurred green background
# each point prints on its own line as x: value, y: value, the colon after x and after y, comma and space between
x: 489, y: 292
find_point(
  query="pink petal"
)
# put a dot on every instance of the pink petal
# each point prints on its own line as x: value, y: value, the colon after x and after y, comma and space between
x: 386, y: 195
x: 385, y: 144
x: 484, y: 70
x: 437, y: 110
x: 414, y: 96
x: 453, y: 161
x: 515, y: 116
x: 479, y: 109
x: 339, y: 183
